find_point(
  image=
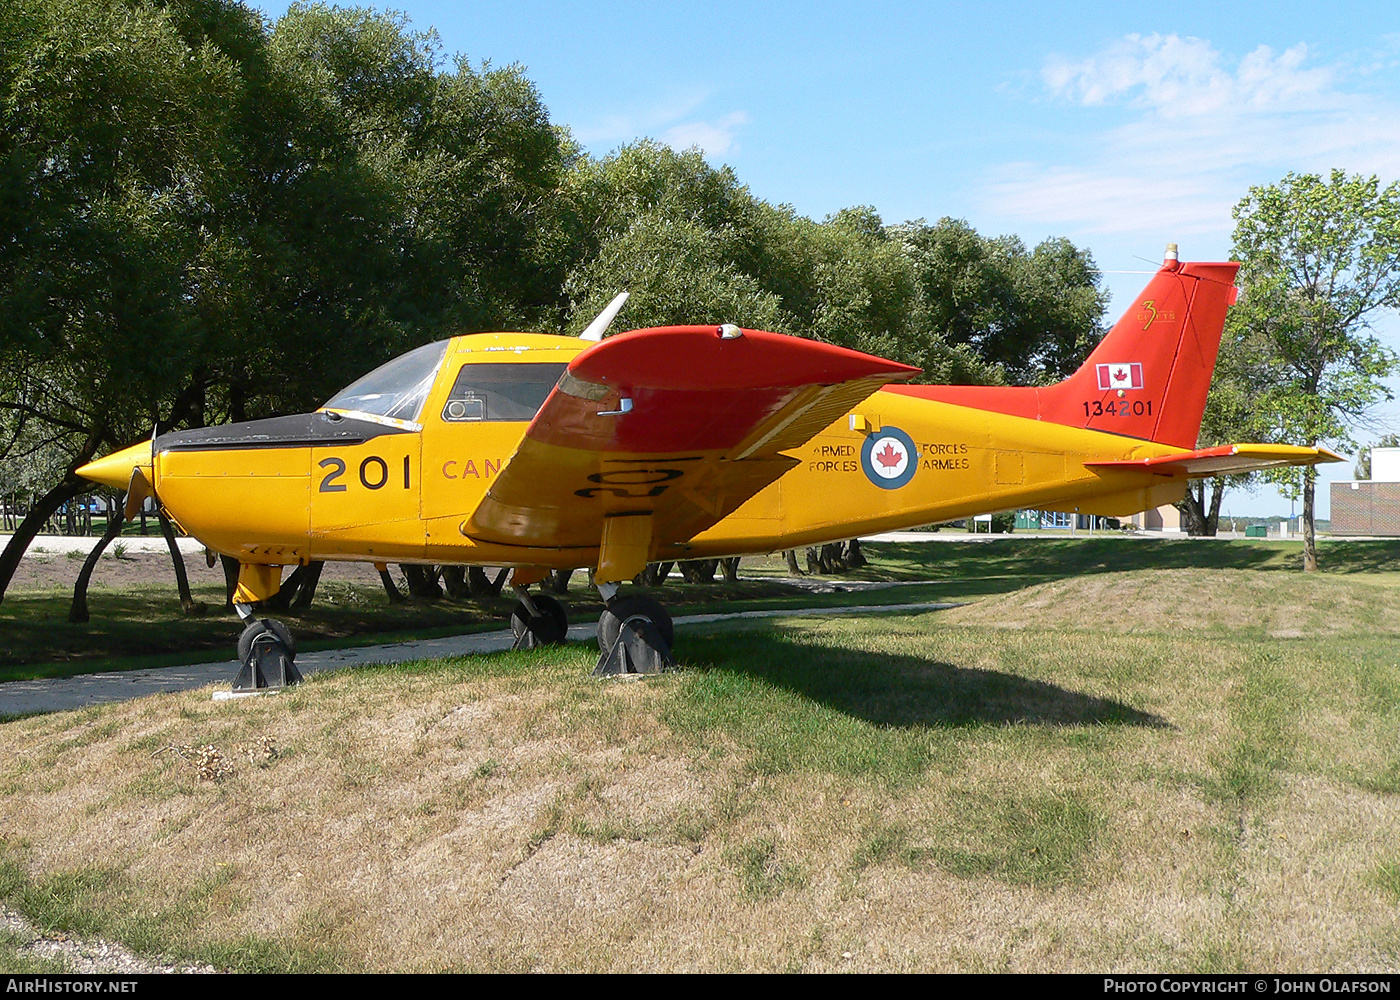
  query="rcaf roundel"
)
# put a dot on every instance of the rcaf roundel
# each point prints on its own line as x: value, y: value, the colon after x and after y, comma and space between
x: 889, y: 458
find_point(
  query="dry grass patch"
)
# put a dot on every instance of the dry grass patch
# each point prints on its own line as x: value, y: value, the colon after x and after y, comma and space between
x: 1250, y: 602
x: 915, y: 793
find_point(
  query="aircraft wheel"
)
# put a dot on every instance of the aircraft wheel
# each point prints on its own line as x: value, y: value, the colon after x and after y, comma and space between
x: 623, y: 609
x: 550, y: 627
x: 265, y: 626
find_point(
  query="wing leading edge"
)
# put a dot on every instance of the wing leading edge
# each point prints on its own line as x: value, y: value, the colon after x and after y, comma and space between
x: 655, y: 435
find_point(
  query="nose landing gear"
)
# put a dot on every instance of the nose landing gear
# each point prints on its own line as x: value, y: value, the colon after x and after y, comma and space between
x: 266, y: 654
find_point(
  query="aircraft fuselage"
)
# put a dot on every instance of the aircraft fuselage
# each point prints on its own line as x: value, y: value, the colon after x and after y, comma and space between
x: 339, y: 486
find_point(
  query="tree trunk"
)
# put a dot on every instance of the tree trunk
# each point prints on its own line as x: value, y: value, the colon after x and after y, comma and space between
x: 308, y: 586
x: 231, y: 569
x: 791, y: 556
x: 454, y: 581
x: 390, y: 591
x: 731, y: 569
x: 282, y: 600
x: 39, y: 512
x: 1213, y: 518
x: 854, y: 557
x: 1309, y: 527
x: 557, y: 581
x: 655, y: 574
x: 1192, y: 507
x: 698, y: 570
x: 422, y: 581
x: 78, y: 610
x: 482, y: 587
x: 182, y: 580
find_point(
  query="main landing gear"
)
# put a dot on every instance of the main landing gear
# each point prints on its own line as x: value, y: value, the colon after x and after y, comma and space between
x: 537, y: 620
x: 635, y: 633
x: 266, y: 654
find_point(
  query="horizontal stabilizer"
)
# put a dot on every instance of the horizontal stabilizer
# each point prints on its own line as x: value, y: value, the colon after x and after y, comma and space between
x: 1225, y: 460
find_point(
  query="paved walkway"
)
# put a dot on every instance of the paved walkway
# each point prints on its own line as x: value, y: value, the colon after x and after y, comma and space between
x: 84, y: 543
x: 64, y: 694
x: 155, y: 543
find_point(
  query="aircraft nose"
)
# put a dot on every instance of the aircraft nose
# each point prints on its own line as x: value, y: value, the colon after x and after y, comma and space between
x: 115, y: 469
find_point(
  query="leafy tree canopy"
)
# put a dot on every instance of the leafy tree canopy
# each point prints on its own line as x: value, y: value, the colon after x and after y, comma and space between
x: 1321, y: 257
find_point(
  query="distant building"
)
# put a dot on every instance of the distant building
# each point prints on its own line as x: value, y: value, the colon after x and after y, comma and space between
x: 1051, y: 520
x: 1038, y: 520
x: 1370, y: 506
x: 1166, y: 518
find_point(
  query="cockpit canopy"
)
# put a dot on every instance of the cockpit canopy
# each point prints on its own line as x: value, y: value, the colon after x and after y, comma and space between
x: 482, y: 391
x: 396, y: 389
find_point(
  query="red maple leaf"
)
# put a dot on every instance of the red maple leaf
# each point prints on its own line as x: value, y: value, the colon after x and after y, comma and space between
x: 1120, y: 375
x: 889, y: 458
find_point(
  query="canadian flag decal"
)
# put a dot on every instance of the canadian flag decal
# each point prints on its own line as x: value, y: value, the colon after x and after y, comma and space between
x: 1125, y: 375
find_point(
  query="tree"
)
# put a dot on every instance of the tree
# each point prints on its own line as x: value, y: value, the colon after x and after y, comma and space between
x: 111, y: 123
x: 1363, y: 457
x: 679, y: 235
x: 1320, y: 259
x: 1035, y: 313
x: 202, y: 219
x: 1231, y: 415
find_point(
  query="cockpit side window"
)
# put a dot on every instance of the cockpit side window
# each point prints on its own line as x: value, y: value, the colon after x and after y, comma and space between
x: 500, y: 391
x: 396, y: 389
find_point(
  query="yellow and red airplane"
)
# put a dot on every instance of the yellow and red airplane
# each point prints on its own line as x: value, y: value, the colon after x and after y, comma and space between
x: 541, y: 452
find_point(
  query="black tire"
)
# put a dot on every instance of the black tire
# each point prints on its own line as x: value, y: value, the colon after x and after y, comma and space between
x: 265, y: 626
x: 551, y: 626
x: 549, y: 606
x: 622, y: 609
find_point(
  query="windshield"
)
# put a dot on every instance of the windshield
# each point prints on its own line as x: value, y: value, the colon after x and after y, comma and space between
x: 396, y: 389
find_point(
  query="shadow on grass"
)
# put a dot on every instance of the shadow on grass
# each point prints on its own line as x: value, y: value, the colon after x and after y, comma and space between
x: 143, y: 627
x: 894, y: 689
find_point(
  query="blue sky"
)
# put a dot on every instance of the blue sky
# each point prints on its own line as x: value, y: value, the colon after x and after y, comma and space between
x: 1122, y: 127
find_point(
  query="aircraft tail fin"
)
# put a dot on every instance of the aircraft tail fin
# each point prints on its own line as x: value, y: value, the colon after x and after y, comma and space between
x: 1147, y: 378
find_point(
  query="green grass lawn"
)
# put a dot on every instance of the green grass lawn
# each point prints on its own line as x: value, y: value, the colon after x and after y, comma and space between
x: 1169, y: 768
x: 143, y: 626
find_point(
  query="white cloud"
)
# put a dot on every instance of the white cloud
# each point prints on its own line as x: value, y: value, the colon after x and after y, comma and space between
x: 714, y: 138
x: 1194, y: 130
x: 673, y: 121
x: 1187, y: 76
x: 1102, y: 202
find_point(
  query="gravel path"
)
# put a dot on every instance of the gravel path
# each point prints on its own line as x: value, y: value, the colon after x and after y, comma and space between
x: 66, y: 693
x: 91, y: 956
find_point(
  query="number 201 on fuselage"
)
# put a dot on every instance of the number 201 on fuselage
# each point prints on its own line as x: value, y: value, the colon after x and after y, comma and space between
x: 373, y: 473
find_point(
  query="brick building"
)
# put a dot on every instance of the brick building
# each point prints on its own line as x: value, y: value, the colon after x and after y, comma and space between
x: 1370, y: 506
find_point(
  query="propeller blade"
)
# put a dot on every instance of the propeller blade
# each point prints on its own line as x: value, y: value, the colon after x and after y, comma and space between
x: 137, y: 491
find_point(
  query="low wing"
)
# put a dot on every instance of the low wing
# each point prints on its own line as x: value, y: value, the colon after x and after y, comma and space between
x: 676, y: 426
x: 1225, y: 460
